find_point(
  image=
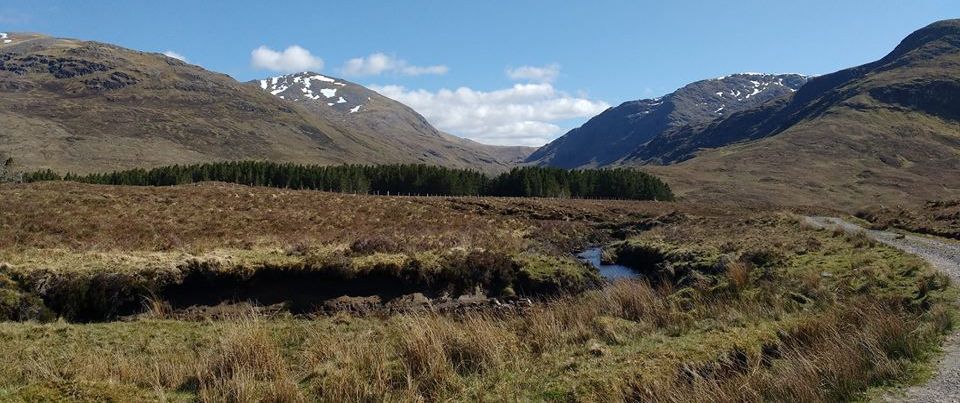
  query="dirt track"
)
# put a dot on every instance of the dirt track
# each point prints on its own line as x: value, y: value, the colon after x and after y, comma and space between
x: 945, y: 256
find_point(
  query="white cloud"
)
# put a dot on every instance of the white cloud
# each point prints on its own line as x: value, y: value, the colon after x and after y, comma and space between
x: 544, y: 74
x: 175, y: 55
x: 421, y: 70
x: 525, y: 114
x: 379, y: 63
x: 371, y: 65
x: 291, y: 59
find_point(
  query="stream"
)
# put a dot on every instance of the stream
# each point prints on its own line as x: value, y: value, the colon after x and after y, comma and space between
x: 608, y: 271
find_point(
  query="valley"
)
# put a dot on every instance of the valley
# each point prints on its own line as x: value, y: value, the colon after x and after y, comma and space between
x: 171, y: 233
x: 729, y: 296
x: 875, y: 133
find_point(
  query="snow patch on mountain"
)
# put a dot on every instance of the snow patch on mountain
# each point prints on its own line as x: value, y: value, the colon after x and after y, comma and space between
x: 307, y: 86
x: 753, y: 84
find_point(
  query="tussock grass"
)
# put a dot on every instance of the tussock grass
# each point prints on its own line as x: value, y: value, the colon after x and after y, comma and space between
x: 938, y: 217
x: 246, y: 366
x: 627, y: 341
x: 834, y: 358
x: 198, y: 218
x: 736, y: 306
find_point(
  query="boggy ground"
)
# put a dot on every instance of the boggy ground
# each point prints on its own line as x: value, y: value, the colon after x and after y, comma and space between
x: 736, y: 305
x: 939, y: 218
x: 96, y: 253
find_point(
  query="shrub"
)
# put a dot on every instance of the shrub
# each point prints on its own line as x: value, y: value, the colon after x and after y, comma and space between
x: 764, y: 257
x: 17, y: 304
x: 492, y: 271
x: 375, y: 244
x: 859, y: 239
x: 662, y: 262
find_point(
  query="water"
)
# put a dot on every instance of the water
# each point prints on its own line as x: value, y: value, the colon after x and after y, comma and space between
x: 608, y: 271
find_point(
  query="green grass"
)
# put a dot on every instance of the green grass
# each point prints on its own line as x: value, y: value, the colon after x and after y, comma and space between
x: 755, y: 307
x: 869, y: 317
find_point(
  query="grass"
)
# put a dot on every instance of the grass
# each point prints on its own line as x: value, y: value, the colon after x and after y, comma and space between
x: 736, y: 306
x: 624, y: 342
x: 83, y: 242
x: 938, y: 218
x: 208, y: 216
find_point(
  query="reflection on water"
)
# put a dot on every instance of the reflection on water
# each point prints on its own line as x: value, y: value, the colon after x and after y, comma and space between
x: 608, y: 271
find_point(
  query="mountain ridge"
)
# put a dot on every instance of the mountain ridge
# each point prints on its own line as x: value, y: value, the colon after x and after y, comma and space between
x: 808, y: 102
x: 364, y: 110
x: 607, y: 137
x: 84, y: 106
x: 886, y: 131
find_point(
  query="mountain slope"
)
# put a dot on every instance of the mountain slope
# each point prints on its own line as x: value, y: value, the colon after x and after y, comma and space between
x: 511, y: 155
x: 617, y: 131
x: 887, y: 131
x: 365, y: 111
x: 81, y: 106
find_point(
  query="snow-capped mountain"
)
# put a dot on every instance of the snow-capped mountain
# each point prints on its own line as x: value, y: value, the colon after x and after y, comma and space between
x: 613, y: 134
x: 144, y: 109
x: 742, y: 91
x: 362, y: 110
x: 884, y: 132
x: 317, y: 89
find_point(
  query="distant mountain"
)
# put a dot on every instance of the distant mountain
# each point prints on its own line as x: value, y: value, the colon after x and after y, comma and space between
x: 618, y: 131
x: 511, y: 155
x: 81, y: 106
x: 883, y: 132
x: 363, y: 110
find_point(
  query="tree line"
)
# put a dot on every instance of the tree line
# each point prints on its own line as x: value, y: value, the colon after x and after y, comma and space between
x: 622, y: 183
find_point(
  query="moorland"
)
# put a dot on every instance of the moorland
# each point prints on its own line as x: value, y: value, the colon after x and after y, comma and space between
x: 196, y: 292
x: 168, y: 233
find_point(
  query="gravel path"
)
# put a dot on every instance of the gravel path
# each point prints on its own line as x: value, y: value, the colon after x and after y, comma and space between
x: 945, y: 256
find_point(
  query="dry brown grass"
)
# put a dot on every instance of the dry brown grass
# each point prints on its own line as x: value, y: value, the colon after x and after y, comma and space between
x: 246, y: 366
x: 146, y: 237
x: 939, y: 218
x: 738, y: 273
x: 353, y: 368
x: 831, y: 359
x: 196, y: 218
x: 766, y: 309
x: 628, y: 341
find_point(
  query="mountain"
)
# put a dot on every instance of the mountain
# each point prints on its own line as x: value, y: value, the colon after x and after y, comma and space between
x: 510, y: 155
x: 883, y: 132
x: 610, y: 136
x: 365, y: 111
x: 82, y: 106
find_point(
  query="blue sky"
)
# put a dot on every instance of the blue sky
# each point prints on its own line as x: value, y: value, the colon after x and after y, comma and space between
x: 452, y: 60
